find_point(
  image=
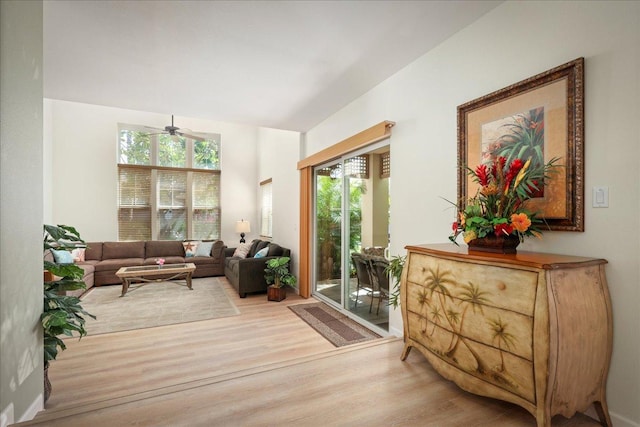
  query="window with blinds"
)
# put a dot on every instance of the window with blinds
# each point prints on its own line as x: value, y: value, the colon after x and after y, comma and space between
x: 168, y: 188
x: 266, y: 217
x: 134, y: 203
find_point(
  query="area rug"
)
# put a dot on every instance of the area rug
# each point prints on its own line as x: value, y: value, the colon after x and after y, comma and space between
x: 336, y: 327
x: 155, y: 304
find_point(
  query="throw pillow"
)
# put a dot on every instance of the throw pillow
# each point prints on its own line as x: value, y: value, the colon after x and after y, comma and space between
x: 78, y: 254
x: 261, y: 253
x: 62, y: 256
x: 190, y: 248
x: 242, y: 250
x: 204, y: 249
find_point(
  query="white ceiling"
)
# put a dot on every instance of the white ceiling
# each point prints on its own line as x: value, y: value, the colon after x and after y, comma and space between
x: 280, y: 64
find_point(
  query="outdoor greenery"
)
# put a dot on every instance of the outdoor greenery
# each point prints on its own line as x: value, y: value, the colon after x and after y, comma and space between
x: 396, y: 265
x: 62, y: 314
x: 135, y: 149
x: 329, y: 220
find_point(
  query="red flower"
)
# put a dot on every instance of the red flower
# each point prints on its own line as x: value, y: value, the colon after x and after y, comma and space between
x: 514, y: 168
x: 499, y: 229
x: 483, y: 175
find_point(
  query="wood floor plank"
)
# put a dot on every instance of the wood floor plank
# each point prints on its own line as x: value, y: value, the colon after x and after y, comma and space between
x: 265, y: 367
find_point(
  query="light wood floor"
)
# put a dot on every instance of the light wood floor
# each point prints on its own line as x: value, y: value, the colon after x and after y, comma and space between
x: 265, y: 367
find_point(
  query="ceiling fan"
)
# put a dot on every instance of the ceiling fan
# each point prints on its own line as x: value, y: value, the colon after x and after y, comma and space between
x: 174, y: 131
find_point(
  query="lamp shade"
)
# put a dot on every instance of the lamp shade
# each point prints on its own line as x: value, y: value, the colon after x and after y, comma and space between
x: 243, y: 226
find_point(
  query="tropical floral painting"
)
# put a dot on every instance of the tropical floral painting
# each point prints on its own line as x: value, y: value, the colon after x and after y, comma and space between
x: 516, y: 137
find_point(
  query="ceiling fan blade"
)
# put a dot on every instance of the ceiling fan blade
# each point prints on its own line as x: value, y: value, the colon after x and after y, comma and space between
x: 186, y: 135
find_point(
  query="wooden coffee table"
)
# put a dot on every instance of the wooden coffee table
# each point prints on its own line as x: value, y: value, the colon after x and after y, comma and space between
x: 145, y: 273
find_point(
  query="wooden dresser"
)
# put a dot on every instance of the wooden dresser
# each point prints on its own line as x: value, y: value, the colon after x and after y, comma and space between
x: 533, y: 329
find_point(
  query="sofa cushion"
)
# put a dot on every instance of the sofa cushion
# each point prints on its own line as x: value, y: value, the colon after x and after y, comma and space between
x: 119, y: 250
x: 242, y: 250
x: 190, y: 247
x: 217, y: 249
x: 203, y: 260
x: 275, y: 250
x: 262, y: 253
x: 204, y: 249
x: 93, y: 252
x: 62, y: 256
x: 163, y: 249
x: 252, y: 247
x: 78, y: 254
x: 255, y: 249
x: 114, y: 264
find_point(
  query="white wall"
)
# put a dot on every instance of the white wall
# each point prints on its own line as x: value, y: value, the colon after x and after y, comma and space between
x: 515, y: 41
x: 278, y: 154
x: 81, y: 140
x: 21, y: 355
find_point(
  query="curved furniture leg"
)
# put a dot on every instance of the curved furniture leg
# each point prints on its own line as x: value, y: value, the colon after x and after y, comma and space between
x: 603, y: 412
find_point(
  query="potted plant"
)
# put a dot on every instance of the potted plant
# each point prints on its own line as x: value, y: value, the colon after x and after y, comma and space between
x: 277, y: 273
x: 496, y: 219
x: 62, y: 314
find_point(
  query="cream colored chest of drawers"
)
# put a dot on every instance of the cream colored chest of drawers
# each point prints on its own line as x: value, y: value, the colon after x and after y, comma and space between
x: 533, y: 329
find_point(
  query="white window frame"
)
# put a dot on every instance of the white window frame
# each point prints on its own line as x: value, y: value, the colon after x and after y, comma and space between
x: 266, y: 208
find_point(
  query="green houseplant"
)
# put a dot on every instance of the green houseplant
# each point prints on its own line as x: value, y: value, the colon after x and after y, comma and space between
x: 394, y: 269
x: 278, y: 276
x: 62, y: 314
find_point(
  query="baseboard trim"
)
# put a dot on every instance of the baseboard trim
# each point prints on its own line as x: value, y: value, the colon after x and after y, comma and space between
x: 36, y: 406
x: 6, y: 416
x: 620, y: 421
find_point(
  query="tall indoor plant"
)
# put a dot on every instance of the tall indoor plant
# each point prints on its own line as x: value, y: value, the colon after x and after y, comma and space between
x: 62, y: 314
x: 277, y: 273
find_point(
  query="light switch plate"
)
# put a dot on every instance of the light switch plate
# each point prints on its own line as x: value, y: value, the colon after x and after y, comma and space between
x: 600, y: 197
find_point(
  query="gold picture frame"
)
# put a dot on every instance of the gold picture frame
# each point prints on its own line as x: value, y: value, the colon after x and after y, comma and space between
x: 552, y: 101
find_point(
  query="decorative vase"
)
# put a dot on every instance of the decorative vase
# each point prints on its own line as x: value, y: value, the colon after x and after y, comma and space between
x: 495, y: 244
x: 276, y: 294
x: 47, y: 383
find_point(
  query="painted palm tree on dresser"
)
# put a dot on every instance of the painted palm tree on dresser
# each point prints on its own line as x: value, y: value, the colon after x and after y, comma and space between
x: 447, y: 311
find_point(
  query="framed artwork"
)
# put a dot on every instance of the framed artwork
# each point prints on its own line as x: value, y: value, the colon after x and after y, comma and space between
x: 540, y: 118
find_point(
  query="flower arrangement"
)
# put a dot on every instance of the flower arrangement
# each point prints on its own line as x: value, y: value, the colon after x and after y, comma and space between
x: 160, y: 261
x: 499, y: 206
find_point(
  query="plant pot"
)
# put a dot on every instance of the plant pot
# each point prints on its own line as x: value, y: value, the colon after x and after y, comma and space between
x: 47, y: 383
x: 495, y: 244
x: 276, y: 294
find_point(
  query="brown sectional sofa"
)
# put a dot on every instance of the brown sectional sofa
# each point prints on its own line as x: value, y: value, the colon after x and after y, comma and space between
x: 103, y: 259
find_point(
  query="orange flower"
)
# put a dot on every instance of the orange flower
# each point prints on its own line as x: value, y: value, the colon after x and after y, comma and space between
x: 520, y: 222
x: 489, y: 190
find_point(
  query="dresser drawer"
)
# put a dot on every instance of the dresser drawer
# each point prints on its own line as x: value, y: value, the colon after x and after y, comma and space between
x: 492, y: 365
x: 444, y: 316
x: 505, y: 288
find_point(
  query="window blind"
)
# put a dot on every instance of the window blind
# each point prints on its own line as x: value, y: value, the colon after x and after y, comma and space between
x: 134, y: 203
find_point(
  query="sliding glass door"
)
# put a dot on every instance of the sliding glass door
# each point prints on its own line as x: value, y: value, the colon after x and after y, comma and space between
x: 328, y: 232
x: 351, y: 232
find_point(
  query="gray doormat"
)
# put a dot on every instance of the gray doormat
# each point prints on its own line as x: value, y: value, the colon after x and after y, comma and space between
x: 336, y: 327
